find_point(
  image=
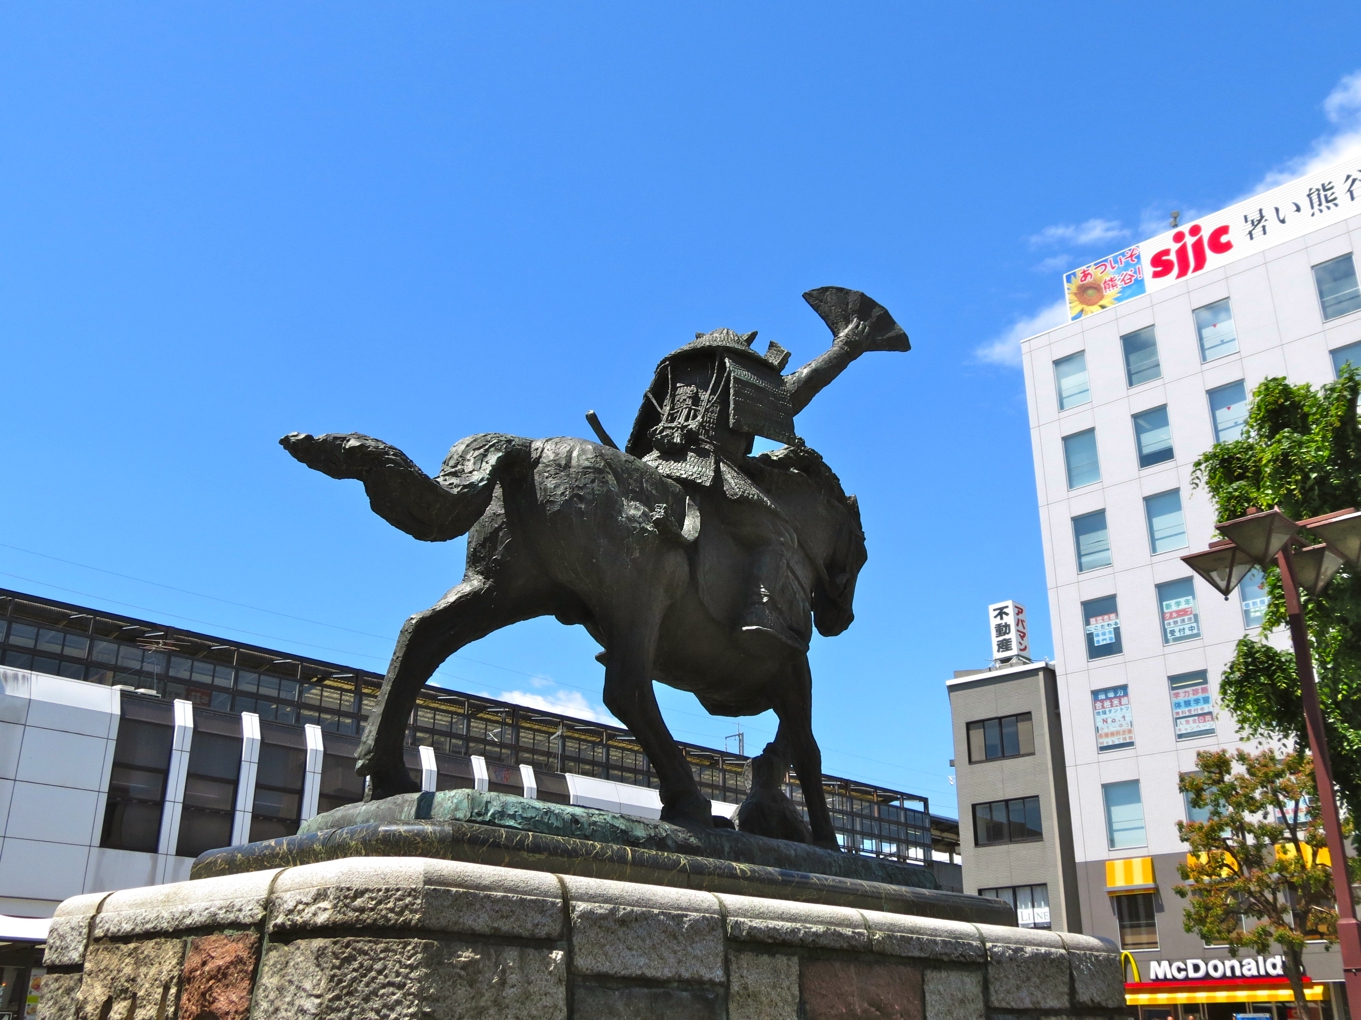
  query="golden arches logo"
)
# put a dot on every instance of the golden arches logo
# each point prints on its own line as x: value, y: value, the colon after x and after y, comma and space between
x: 1127, y: 960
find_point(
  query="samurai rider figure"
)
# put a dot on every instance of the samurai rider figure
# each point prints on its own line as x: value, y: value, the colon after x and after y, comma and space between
x: 708, y: 402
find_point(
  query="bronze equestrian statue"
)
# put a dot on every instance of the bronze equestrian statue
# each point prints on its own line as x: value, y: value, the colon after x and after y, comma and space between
x: 690, y: 561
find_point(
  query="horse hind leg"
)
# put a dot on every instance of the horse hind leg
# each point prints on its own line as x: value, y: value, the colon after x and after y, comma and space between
x: 466, y: 613
x: 794, y: 707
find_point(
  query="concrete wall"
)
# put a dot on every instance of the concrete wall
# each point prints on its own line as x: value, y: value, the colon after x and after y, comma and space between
x: 403, y: 937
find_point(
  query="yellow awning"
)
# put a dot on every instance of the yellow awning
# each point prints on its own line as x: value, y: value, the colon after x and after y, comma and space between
x: 1287, y: 850
x: 1133, y: 874
x: 1312, y: 993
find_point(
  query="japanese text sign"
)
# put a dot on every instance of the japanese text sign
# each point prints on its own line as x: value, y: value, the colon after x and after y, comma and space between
x: 1114, y: 718
x: 1007, y: 631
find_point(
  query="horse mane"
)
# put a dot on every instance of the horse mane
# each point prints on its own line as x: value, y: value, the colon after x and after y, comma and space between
x: 801, y: 457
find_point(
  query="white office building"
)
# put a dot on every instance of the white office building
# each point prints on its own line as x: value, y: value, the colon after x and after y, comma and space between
x: 1168, y: 339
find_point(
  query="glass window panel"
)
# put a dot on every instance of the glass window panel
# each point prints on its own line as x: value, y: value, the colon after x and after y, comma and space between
x: 215, y: 755
x: 1253, y: 595
x: 992, y: 738
x: 49, y: 640
x: 77, y: 646
x: 1025, y: 734
x: 1101, y: 624
x: 104, y: 651
x: 202, y: 830
x: 1092, y: 541
x: 1214, y: 328
x: 1192, y: 710
x: 1338, y: 292
x: 130, y: 657
x: 1180, y: 615
x: 215, y: 794
x: 1070, y: 374
x: 1033, y: 829
x: 1349, y: 355
x: 143, y: 743
x: 19, y: 660
x: 1113, y: 716
x: 1138, y: 925
x: 1010, y: 745
x: 180, y: 667
x: 1228, y: 411
x: 1141, y: 356
x: 1039, y: 895
x: 1016, y: 820
x: 1193, y: 813
x: 1079, y: 457
x: 1166, y: 525
x: 1025, y: 907
x: 977, y: 752
x: 1124, y: 815
x: 23, y: 635
x: 1153, y: 436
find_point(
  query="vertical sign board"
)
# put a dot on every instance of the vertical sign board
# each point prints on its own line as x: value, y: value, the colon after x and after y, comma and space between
x: 1007, y: 631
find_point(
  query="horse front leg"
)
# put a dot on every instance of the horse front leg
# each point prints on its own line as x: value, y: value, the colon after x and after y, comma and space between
x: 629, y: 695
x: 472, y: 610
x: 794, y: 707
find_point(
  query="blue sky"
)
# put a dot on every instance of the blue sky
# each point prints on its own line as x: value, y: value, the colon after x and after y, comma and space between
x: 224, y: 222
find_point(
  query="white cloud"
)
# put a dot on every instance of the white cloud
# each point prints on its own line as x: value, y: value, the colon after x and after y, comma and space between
x: 1089, y: 232
x: 1343, y: 109
x: 1006, y: 349
x: 571, y: 703
x: 1054, y: 264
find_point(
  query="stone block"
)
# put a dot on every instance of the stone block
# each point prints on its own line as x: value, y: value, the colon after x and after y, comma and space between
x: 1027, y: 968
x: 763, y: 986
x: 954, y: 995
x: 131, y: 980
x: 219, y: 971
x: 924, y: 937
x: 841, y: 989
x: 69, y: 932
x: 409, y: 979
x: 644, y: 931
x: 606, y: 1002
x: 60, y: 996
x: 786, y: 923
x: 1098, y: 979
x: 233, y: 901
x: 419, y: 894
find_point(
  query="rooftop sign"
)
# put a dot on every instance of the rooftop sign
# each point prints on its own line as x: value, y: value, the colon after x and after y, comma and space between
x: 1208, y: 242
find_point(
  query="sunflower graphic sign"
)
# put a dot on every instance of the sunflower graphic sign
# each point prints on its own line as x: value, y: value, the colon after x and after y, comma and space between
x: 1104, y: 284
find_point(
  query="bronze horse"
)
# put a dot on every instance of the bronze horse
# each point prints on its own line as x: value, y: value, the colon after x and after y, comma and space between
x: 590, y: 535
x: 658, y: 572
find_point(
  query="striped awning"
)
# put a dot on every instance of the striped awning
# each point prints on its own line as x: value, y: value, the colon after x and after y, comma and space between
x: 1167, y: 993
x: 1130, y: 875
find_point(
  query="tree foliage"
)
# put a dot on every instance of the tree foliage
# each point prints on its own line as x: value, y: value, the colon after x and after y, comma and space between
x: 1301, y: 451
x: 1253, y: 876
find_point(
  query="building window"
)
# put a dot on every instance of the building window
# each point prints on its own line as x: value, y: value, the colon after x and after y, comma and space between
x: 1138, y: 928
x: 1153, y: 436
x: 339, y: 783
x: 1252, y: 594
x: 1113, y: 717
x: 1192, y: 712
x: 1214, y: 329
x: 1228, y: 411
x: 1070, y: 375
x: 1177, y: 603
x: 1007, y: 821
x: 1349, y: 355
x: 1141, y: 356
x: 1124, y: 815
x: 1338, y: 292
x: 1166, y: 525
x: 1193, y: 813
x: 278, y: 792
x: 1101, y: 624
x: 1079, y: 456
x: 1010, y: 736
x: 1031, y: 903
x: 141, y: 759
x: 1092, y: 541
x: 209, y: 793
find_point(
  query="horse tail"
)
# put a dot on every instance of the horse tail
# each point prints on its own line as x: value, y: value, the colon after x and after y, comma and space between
x: 431, y: 509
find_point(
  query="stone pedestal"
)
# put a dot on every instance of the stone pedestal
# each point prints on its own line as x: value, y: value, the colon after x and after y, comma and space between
x: 383, y: 938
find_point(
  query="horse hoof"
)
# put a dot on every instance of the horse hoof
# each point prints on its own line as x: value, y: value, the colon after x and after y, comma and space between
x: 389, y: 783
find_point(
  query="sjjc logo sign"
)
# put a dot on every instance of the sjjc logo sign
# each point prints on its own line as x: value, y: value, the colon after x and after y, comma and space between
x: 1189, y: 255
x: 1193, y: 970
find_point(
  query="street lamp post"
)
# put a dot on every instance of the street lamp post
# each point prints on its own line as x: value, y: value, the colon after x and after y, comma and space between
x: 1257, y: 540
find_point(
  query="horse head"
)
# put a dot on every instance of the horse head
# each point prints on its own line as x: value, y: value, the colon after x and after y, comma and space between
x: 828, y: 525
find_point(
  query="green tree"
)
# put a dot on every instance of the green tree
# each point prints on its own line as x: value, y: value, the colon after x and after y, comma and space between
x: 1301, y: 451
x: 1253, y: 876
